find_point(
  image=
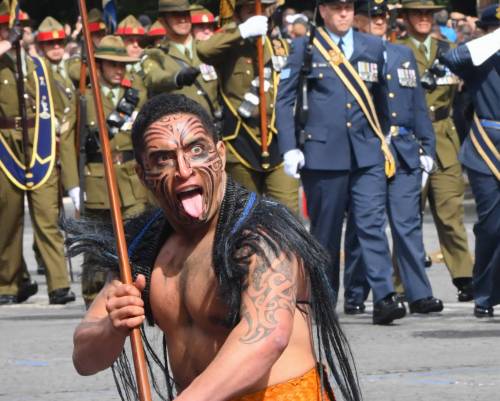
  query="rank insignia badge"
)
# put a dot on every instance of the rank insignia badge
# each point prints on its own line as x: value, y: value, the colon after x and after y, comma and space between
x: 368, y: 71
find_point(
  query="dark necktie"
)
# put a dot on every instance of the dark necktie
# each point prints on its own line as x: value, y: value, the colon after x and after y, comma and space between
x: 341, y: 45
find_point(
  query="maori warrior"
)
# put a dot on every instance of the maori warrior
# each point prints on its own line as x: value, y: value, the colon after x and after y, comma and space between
x: 234, y: 282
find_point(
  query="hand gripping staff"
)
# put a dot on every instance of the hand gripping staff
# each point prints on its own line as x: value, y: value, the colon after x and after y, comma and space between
x: 114, y: 201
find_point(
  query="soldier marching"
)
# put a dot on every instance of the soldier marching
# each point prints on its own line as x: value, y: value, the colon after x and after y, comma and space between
x: 363, y: 125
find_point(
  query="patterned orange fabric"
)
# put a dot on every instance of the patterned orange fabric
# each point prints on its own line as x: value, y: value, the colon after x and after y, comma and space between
x: 304, y: 388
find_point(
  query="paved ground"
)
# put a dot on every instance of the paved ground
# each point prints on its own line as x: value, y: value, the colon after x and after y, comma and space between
x: 449, y: 356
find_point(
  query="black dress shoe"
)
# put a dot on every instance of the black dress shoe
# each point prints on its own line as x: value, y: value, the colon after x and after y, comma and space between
x: 26, y: 290
x: 465, y: 289
x: 426, y: 305
x: 352, y: 308
x: 61, y: 296
x: 427, y: 261
x: 8, y: 299
x: 480, y: 311
x: 400, y: 297
x: 388, y: 309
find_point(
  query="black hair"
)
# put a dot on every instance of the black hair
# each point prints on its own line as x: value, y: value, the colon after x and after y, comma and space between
x: 163, y: 105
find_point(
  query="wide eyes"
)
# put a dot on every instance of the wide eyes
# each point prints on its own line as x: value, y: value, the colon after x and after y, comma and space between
x: 197, y: 150
x: 163, y: 158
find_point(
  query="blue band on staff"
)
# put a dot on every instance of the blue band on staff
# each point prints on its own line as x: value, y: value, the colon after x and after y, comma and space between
x: 490, y: 124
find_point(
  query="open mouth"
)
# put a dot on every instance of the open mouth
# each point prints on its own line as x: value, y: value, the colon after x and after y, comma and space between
x: 191, y: 199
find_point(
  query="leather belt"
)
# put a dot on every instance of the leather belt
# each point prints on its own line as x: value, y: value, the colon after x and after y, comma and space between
x: 490, y: 123
x: 15, y: 123
x: 439, y: 114
x: 396, y: 130
x: 117, y: 157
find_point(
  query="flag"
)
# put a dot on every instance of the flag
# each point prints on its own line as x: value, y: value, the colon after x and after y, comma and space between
x: 14, y: 11
x: 109, y: 14
x: 226, y: 11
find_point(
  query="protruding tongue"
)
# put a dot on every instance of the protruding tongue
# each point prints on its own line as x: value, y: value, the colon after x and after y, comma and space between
x: 192, y: 202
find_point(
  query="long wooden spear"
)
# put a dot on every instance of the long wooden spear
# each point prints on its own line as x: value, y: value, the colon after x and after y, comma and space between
x: 262, y: 95
x: 141, y: 371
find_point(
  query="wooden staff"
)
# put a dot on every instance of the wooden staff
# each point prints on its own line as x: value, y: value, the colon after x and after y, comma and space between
x: 141, y: 371
x: 262, y: 95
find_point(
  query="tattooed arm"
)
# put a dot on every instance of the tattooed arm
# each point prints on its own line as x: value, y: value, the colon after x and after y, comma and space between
x: 244, y: 362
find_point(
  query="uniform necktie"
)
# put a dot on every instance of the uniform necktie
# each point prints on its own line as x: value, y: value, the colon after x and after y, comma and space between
x: 187, y: 53
x: 341, y: 45
x: 422, y: 48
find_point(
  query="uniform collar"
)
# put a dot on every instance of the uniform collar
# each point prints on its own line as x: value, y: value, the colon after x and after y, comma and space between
x: 427, y: 42
x: 348, y: 40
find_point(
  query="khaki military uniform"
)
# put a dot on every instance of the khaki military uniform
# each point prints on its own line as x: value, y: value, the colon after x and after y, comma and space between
x: 160, y: 66
x: 235, y: 61
x: 445, y: 189
x: 43, y: 202
x: 133, y: 195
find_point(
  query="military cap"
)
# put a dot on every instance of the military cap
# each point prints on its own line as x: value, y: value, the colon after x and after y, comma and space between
x: 157, y: 29
x: 371, y: 7
x: 130, y: 26
x: 50, y: 29
x: 335, y: 1
x: 22, y: 16
x: 167, y: 6
x: 112, y: 48
x: 202, y: 16
x: 4, y: 13
x: 489, y: 17
x: 243, y: 2
x: 420, y: 5
x: 96, y: 21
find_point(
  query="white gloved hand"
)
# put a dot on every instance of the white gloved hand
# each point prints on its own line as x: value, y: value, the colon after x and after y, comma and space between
x: 427, y: 163
x: 74, y: 194
x: 253, y: 27
x: 481, y: 49
x: 294, y: 161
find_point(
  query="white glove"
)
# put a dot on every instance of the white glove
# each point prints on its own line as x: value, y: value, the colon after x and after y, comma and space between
x: 74, y: 194
x: 294, y: 161
x: 425, y: 177
x: 253, y: 27
x: 481, y: 49
x: 427, y: 163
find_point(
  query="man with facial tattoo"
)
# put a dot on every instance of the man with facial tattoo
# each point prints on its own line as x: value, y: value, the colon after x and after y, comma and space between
x: 122, y: 99
x: 231, y: 280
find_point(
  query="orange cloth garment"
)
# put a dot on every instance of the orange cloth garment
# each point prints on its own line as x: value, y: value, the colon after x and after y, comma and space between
x: 304, y: 388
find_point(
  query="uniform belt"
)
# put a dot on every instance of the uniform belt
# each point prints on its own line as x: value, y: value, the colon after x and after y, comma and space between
x: 490, y: 123
x: 396, y: 130
x: 439, y: 114
x: 117, y: 157
x: 15, y: 123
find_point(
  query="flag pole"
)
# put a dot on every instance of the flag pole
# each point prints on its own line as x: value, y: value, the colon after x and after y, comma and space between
x: 141, y: 371
x: 262, y: 95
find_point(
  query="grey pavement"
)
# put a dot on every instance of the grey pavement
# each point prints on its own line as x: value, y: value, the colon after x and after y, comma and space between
x: 447, y: 356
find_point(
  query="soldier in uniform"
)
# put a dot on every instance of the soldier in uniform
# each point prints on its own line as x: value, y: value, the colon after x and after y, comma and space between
x: 97, y: 29
x: 233, y: 53
x: 51, y: 39
x: 29, y: 170
x: 174, y: 65
x: 408, y: 131
x: 476, y: 62
x: 341, y: 159
x: 122, y: 99
x: 132, y: 33
x: 445, y: 187
x: 156, y: 34
x: 203, y: 23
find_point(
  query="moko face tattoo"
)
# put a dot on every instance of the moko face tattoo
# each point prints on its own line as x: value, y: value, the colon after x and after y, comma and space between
x: 183, y: 167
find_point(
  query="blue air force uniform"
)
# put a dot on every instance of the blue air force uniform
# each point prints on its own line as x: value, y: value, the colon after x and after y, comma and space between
x: 406, y: 122
x: 344, y: 166
x: 483, y: 82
